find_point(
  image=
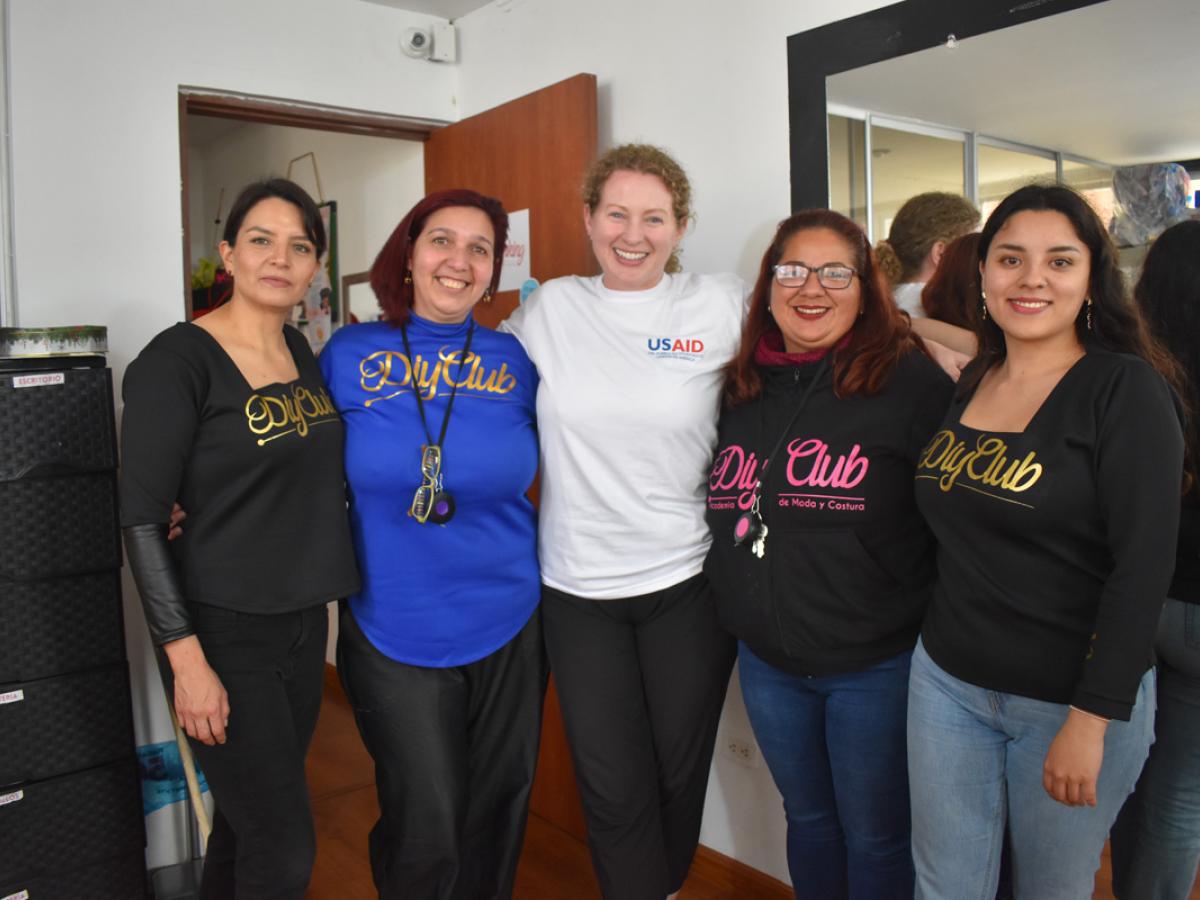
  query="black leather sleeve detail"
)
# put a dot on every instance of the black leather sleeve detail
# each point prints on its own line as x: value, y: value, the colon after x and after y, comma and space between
x: 158, y: 582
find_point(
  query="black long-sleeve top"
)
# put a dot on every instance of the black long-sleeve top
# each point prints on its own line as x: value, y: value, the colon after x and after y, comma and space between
x: 1185, y: 585
x: 259, y: 471
x: 1056, y: 544
x: 848, y: 567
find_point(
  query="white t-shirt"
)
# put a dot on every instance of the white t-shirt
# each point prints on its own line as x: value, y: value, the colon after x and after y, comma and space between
x: 627, y: 420
x: 908, y: 298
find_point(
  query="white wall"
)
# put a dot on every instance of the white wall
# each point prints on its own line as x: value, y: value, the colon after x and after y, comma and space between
x: 708, y: 81
x: 96, y: 161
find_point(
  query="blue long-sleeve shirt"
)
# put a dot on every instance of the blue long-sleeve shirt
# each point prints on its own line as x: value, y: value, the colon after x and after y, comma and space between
x: 436, y: 595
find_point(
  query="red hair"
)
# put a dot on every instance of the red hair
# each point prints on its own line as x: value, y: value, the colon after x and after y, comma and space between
x: 392, y: 264
x: 877, y: 339
x: 952, y: 294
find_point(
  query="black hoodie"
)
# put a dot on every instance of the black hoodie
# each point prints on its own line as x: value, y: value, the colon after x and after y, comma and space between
x: 849, y: 563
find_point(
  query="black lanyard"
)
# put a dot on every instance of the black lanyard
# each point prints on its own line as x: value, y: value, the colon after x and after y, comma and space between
x: 412, y: 364
x: 762, y: 476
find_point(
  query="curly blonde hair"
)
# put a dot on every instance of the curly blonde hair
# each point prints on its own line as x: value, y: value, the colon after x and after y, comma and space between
x: 921, y: 222
x: 645, y: 159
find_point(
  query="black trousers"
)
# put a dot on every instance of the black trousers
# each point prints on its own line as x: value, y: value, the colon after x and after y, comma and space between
x: 641, y: 681
x: 263, y: 844
x: 455, y: 751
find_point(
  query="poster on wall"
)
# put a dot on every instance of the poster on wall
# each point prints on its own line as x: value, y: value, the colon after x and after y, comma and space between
x: 515, y: 269
x: 317, y: 314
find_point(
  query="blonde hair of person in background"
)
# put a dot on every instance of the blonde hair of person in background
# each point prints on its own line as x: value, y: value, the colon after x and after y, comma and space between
x: 919, y: 234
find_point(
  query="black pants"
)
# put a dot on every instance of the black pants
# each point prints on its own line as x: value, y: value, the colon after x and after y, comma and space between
x: 641, y: 682
x: 263, y: 843
x: 455, y: 751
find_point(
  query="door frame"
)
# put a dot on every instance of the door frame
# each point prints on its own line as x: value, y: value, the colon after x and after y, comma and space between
x: 201, y: 101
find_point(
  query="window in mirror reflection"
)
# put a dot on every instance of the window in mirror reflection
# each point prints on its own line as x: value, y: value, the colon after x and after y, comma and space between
x: 848, y: 167
x: 905, y: 163
x: 1002, y: 171
x: 1094, y: 182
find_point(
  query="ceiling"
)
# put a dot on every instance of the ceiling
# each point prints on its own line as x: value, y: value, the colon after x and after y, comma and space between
x: 1114, y: 82
x: 446, y: 9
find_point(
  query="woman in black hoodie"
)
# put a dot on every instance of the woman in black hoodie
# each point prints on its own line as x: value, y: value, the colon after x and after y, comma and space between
x: 821, y: 562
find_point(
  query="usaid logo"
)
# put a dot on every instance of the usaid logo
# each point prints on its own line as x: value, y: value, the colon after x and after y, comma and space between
x: 675, y: 347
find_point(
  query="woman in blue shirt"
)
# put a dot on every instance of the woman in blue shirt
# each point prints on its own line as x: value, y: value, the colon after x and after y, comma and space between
x: 441, y: 651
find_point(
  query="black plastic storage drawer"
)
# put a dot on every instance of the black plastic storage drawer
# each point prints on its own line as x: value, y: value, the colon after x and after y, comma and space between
x: 64, y: 824
x: 57, y: 725
x: 56, y: 421
x: 122, y: 878
x: 60, y: 625
x: 51, y: 527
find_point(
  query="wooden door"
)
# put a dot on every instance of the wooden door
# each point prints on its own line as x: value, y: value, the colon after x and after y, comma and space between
x: 531, y: 154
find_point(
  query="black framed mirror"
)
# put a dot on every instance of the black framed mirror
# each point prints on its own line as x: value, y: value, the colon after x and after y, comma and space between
x: 872, y: 37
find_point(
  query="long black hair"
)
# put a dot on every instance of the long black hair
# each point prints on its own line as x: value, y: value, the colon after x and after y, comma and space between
x: 1168, y: 294
x: 1116, y: 323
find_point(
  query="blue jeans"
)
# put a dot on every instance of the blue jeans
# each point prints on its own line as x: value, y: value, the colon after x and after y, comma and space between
x: 835, y: 747
x: 1156, y: 841
x: 975, y: 760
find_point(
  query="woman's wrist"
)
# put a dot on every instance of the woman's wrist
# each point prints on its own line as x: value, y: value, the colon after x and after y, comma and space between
x: 184, y: 653
x: 1086, y: 716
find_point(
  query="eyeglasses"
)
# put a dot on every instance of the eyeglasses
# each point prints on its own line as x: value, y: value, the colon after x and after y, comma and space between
x: 833, y: 276
x: 431, y: 472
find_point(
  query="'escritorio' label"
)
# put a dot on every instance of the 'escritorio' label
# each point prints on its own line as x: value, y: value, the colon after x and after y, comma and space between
x: 42, y: 379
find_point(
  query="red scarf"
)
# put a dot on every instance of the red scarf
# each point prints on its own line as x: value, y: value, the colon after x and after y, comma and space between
x: 770, y: 351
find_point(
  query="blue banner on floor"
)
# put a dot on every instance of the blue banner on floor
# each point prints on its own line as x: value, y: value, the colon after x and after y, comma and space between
x: 163, y: 782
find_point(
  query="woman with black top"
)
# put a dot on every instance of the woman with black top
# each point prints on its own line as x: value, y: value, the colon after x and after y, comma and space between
x: 820, y: 561
x: 1156, y: 841
x: 1053, y: 490
x: 230, y: 416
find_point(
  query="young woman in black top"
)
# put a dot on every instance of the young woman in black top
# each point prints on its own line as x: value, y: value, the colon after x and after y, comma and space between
x: 820, y: 561
x: 1053, y: 490
x: 229, y: 415
x: 1156, y: 841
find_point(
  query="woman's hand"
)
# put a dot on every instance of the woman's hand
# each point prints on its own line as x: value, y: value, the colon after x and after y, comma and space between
x: 1072, y: 764
x: 178, y: 514
x: 951, y: 361
x: 201, y: 704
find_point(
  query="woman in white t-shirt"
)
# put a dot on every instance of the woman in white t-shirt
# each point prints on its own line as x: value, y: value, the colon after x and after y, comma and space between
x: 631, y: 371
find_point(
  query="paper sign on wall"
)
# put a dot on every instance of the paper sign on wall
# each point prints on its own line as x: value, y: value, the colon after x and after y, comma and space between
x: 516, y: 252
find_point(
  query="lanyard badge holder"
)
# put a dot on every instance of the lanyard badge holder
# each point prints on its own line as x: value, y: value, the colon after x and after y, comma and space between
x: 749, y: 528
x: 432, y: 502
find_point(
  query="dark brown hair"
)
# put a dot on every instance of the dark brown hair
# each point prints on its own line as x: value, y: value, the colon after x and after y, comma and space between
x: 1168, y: 293
x: 1117, y: 324
x: 952, y: 294
x: 878, y: 338
x: 257, y: 191
x: 392, y: 264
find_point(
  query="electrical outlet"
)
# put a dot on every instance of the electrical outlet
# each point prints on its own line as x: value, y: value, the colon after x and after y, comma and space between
x: 742, y: 750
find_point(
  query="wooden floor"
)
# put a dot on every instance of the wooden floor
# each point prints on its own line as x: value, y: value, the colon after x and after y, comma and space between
x: 554, y: 865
